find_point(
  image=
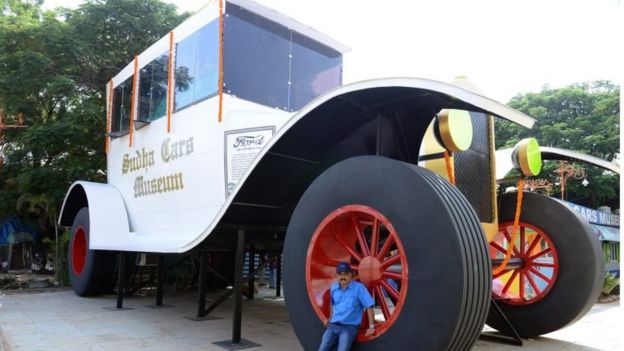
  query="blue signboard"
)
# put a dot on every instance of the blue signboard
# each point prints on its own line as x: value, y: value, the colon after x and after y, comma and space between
x: 606, y: 224
x: 595, y: 216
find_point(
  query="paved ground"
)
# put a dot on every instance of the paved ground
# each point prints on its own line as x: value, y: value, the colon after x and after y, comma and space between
x: 59, y: 320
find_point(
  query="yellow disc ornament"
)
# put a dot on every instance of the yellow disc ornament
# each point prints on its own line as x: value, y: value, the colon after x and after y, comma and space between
x: 455, y: 129
x: 527, y: 157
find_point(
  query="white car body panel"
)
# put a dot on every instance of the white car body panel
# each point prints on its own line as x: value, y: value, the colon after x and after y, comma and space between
x: 176, y: 221
x: 175, y: 186
x: 108, y: 219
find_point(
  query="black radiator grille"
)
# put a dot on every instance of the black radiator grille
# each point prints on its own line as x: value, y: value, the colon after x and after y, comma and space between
x: 473, y: 172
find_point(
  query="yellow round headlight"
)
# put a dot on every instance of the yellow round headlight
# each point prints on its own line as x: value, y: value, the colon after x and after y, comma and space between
x: 455, y: 129
x: 527, y: 157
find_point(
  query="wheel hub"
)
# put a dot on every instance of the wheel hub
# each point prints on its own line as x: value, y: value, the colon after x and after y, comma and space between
x: 370, y: 271
x: 79, y: 250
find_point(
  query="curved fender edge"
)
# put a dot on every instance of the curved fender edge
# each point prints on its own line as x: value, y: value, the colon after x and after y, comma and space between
x: 504, y: 164
x: 108, y: 218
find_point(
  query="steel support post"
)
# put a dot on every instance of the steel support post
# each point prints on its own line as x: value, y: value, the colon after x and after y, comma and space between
x: 238, y: 287
x: 201, y: 305
x: 121, y: 279
x: 278, y: 275
x: 160, y: 277
x: 237, y: 343
x: 513, y: 339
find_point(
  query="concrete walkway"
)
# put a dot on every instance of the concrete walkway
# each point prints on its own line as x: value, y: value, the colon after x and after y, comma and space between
x: 59, y: 320
x: 62, y: 321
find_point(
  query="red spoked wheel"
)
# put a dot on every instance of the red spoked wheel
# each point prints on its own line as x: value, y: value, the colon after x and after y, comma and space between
x: 533, y: 269
x: 364, y: 237
x: 79, y: 250
x: 556, y: 272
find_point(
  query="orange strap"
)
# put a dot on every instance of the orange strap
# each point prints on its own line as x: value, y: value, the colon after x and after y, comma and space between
x: 449, y: 167
x: 514, y: 233
x: 220, y: 60
x: 170, y: 83
x: 135, y: 87
x: 109, y: 113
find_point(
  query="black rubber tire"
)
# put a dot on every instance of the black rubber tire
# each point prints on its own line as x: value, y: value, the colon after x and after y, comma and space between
x: 449, y: 271
x: 581, y: 267
x: 98, y: 274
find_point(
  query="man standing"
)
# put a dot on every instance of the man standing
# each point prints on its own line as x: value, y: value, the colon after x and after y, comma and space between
x: 348, y: 299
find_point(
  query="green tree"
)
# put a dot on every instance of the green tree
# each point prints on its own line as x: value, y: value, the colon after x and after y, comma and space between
x: 35, y: 84
x: 111, y: 32
x: 21, y: 8
x: 54, y: 66
x: 582, y: 117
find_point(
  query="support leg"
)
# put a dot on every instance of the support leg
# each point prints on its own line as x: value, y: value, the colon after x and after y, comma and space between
x: 238, y: 285
x: 513, y: 339
x: 160, y: 277
x: 201, y: 305
x: 122, y: 283
x: 278, y: 275
x: 160, y: 283
x: 237, y: 343
x: 121, y: 279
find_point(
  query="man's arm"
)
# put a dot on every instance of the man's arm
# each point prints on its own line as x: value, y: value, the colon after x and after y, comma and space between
x: 331, y: 307
x: 367, y: 300
x: 331, y: 311
x: 371, y: 321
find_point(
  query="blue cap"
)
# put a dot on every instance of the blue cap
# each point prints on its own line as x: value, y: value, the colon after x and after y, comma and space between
x: 343, y: 267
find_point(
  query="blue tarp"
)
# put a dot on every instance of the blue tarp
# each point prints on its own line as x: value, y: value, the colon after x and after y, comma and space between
x: 13, y: 231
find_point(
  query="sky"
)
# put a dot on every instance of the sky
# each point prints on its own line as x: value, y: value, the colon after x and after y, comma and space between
x: 503, y: 47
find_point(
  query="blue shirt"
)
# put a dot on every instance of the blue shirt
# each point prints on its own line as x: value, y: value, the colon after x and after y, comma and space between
x: 349, y: 303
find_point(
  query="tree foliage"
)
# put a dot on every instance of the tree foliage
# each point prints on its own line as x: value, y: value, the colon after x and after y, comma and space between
x: 582, y: 117
x: 116, y: 30
x: 54, y: 66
